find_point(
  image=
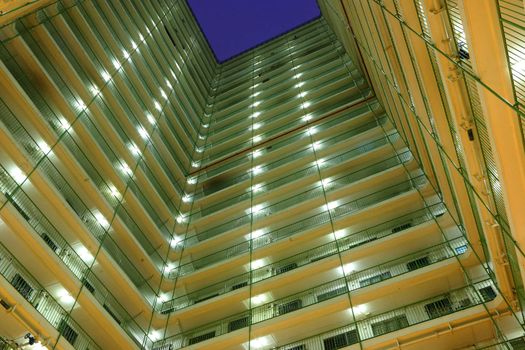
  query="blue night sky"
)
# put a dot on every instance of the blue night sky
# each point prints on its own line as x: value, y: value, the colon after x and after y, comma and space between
x: 234, y: 26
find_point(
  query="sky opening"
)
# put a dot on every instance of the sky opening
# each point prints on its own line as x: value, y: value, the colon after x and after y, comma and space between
x: 235, y: 26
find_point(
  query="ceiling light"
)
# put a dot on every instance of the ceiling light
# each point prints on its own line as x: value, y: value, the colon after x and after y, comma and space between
x: 142, y: 132
x: 44, y: 147
x: 85, y: 255
x: 257, y: 264
x: 259, y: 299
x: 157, y: 106
x: 126, y: 169
x: 17, y: 174
x: 150, y: 118
x: 105, y: 76
x: 192, y: 180
x: 101, y: 219
x: 65, y: 297
x: 134, y: 149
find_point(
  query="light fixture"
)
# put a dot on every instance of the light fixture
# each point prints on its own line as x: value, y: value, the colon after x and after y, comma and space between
x: 142, y: 132
x: 298, y: 85
x: 162, y: 298
x: 320, y: 162
x: 150, y: 118
x: 113, y: 191
x: 64, y: 124
x: 256, y: 114
x: 257, y: 264
x: 44, y: 147
x: 257, y: 233
x: 169, y: 267
x: 81, y: 105
x: 65, y: 297
x: 316, y: 145
x: 340, y: 234
x: 326, y: 182
x: 257, y: 187
x: 349, y: 268
x: 155, y: 335
x: 158, y: 107
x: 101, y: 219
x: 186, y: 198
x: 134, y: 149
x: 105, y: 75
x: 257, y: 170
x: 181, y: 219
x: 360, y: 309
x: 125, y: 54
x: 257, y: 138
x: 256, y: 126
x: 259, y: 343
x: 175, y: 241
x: 255, y: 209
x: 94, y: 90
x: 307, y: 117
x: 126, y: 169
x: 306, y: 105
x: 85, y: 255
x: 302, y: 94
x: 192, y: 180
x: 259, y: 299
x: 313, y: 130
x: 331, y: 205
x: 116, y: 64
x: 17, y: 174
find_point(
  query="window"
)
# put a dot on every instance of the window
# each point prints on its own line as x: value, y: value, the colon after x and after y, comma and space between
x: 438, y: 308
x: 418, y: 263
x: 340, y: 340
x: 375, y: 279
x: 201, y: 338
x: 389, y: 325
x: 290, y: 306
x: 238, y: 324
x: 331, y: 294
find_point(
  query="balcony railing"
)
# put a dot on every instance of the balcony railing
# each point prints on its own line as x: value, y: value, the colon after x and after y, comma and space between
x: 355, y: 280
x: 337, y: 212
x: 80, y: 269
x: 310, y: 169
x: 42, y: 302
x: 325, y: 125
x: 367, y: 328
x: 336, y: 160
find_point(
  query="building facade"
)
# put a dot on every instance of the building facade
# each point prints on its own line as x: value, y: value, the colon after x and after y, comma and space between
x: 356, y: 183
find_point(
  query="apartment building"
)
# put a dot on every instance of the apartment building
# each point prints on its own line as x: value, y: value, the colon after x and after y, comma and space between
x: 356, y: 183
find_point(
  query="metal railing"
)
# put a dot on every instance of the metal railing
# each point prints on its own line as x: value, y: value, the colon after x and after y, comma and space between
x: 42, y: 301
x: 367, y: 328
x: 419, y: 259
x: 338, y: 212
